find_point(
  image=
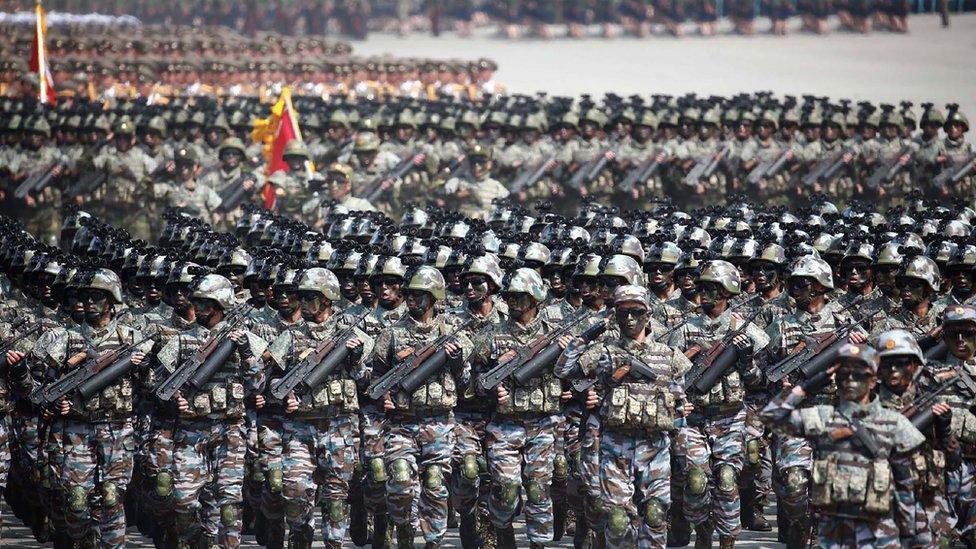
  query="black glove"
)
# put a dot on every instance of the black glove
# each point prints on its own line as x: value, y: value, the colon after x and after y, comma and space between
x: 816, y: 383
x: 942, y: 423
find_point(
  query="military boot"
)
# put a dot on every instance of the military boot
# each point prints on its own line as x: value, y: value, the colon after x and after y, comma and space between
x: 798, y: 536
x: 469, y: 529
x: 40, y: 526
x: 358, y: 523
x: 405, y: 535
x: 247, y: 519
x: 559, y: 510
x: 261, y: 529
x: 759, y: 521
x: 452, y: 518
x: 570, y: 521
x: 486, y: 532
x: 679, y: 530
x: 276, y: 534
x: 782, y: 523
x: 302, y: 539
x: 505, y: 538
x: 381, y: 532
x: 726, y: 542
x: 703, y: 535
x: 581, y: 537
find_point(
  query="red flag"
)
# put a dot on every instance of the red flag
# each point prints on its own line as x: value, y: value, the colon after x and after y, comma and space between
x: 276, y: 131
x: 38, y: 60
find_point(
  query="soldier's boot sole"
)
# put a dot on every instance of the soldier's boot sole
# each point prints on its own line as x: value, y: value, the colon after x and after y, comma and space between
x: 468, y: 530
x: 559, y: 511
x: 381, y: 532
x: 703, y: 536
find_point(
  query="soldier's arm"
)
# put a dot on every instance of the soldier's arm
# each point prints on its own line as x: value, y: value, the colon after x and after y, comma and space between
x: 782, y: 415
x: 905, y: 507
x: 360, y: 370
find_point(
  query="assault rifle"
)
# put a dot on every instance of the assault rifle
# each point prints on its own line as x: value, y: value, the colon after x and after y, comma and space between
x: 816, y: 354
x: 588, y: 171
x: 834, y: 169
x: 824, y: 164
x: 15, y: 338
x: 706, y: 166
x: 37, y: 181
x: 528, y: 176
x: 863, y: 436
x: 533, y: 359
x: 95, y: 374
x: 887, y: 171
x: 636, y: 367
x: 769, y: 168
x: 709, y: 367
x: 920, y: 410
x: 234, y: 193
x: 420, y: 365
x: 375, y: 189
x: 950, y: 175
x: 324, y: 360
x: 209, y: 358
x: 641, y: 172
x: 87, y: 183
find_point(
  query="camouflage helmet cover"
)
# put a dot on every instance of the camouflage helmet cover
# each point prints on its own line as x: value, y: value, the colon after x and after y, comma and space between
x: 426, y: 279
x: 217, y: 288
x: 320, y: 280
x: 815, y: 268
x: 526, y: 281
x: 723, y: 273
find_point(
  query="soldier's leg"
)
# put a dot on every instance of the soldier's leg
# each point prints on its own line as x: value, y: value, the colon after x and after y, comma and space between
x: 229, y: 460
x: 403, y: 483
x: 468, y: 474
x: 78, y: 479
x: 117, y: 446
x: 652, y: 465
x: 727, y: 457
x: 679, y: 531
x: 436, y: 439
x: 254, y: 482
x: 694, y: 448
x: 590, y: 473
x: 336, y: 458
x: 792, y: 472
x: 961, y: 486
x: 298, y: 450
x: 617, y: 482
x: 372, y: 421
x: 505, y: 440
x: 53, y: 493
x: 270, y: 446
x: 755, y: 482
x: 190, y: 476
x: 4, y: 458
x: 539, y: 453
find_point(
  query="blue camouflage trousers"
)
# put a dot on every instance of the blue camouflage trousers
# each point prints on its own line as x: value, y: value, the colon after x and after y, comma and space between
x: 520, y: 457
x: 712, y: 452
x: 469, y: 480
x: 961, y: 491
x: 317, y: 462
x: 635, y: 480
x: 161, y: 472
x: 844, y: 533
x: 209, y: 459
x: 372, y: 421
x: 418, y: 463
x: 96, y: 470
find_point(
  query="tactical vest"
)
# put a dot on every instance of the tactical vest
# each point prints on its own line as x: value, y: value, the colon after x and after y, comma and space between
x: 640, y: 404
x: 438, y: 395
x: 729, y: 393
x: 336, y: 395
x: 114, y: 402
x: 222, y: 397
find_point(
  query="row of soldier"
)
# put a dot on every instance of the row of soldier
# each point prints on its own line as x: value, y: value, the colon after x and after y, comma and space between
x: 386, y: 155
x: 614, y: 375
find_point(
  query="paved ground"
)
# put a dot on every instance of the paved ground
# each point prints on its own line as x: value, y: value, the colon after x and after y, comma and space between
x: 929, y: 64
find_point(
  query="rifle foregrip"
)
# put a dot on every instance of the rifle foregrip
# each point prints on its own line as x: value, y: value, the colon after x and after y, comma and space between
x: 536, y: 365
x: 328, y: 365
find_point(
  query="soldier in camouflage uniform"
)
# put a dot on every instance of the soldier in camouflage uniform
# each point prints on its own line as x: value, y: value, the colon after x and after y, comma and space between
x: 98, y: 439
x: 474, y: 198
x: 901, y: 364
x: 232, y: 172
x: 185, y: 193
x: 38, y: 154
x: 419, y: 432
x: 292, y: 186
x: 711, y: 445
x: 960, y: 274
x: 861, y: 490
x: 521, y: 434
x: 637, y: 413
x: 318, y: 430
x: 642, y: 148
x: 920, y: 313
x: 370, y: 163
x: 128, y: 187
x: 210, y: 436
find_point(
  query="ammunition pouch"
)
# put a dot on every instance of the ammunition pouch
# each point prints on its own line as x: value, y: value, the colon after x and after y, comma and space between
x: 852, y: 488
x: 639, y: 406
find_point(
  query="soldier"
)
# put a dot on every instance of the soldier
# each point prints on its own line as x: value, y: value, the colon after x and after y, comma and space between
x: 918, y: 282
x: 960, y: 274
x: 38, y: 154
x: 474, y: 198
x: 859, y: 445
x: 211, y: 430
x: 639, y: 408
x: 419, y: 433
x: 128, y: 168
x: 521, y: 434
x: 320, y: 421
x: 231, y: 174
x: 292, y: 186
x: 186, y: 193
x: 711, y: 445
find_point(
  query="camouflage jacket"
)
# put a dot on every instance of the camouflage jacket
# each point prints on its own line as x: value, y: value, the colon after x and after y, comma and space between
x: 906, y: 319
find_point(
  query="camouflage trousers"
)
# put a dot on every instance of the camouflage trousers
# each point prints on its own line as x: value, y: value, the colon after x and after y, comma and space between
x: 418, y: 463
x: 317, y: 460
x: 793, y: 460
x: 522, y: 449
x: 934, y: 519
x: 372, y: 423
x: 635, y: 480
x: 589, y: 474
x: 844, y: 533
x: 96, y: 470
x: 961, y: 491
x: 161, y: 472
x: 566, y: 479
x: 254, y: 480
x: 51, y: 468
x: 757, y: 469
x: 470, y: 480
x: 209, y: 459
x: 712, y: 452
x: 269, y: 462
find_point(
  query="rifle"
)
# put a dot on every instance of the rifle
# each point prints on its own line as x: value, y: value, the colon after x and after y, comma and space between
x: 861, y: 435
x: 422, y: 362
x: 888, y: 170
x: 758, y: 173
x: 708, y: 368
x: 209, y: 358
x: 374, y: 189
x: 16, y: 338
x: 641, y: 173
x: 663, y: 335
x: 87, y: 183
x: 528, y: 177
x: 117, y: 361
x: 777, y: 166
x: 950, y: 175
x: 920, y: 410
x: 588, y: 171
x: 706, y: 166
x: 817, y: 354
x: 831, y: 172
x: 813, y: 177
x: 233, y: 194
x: 37, y: 181
x: 531, y: 360
x: 326, y: 357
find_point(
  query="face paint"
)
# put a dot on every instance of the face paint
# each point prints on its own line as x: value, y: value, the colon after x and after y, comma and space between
x: 475, y: 288
x: 853, y: 384
x: 96, y: 303
x: 418, y: 303
x: 961, y: 340
x: 913, y: 291
x: 897, y: 372
x: 962, y: 282
x: 518, y: 303
x: 659, y: 275
x: 312, y: 303
x: 387, y: 289
x: 554, y: 277
x: 801, y: 289
x: 711, y: 294
x: 632, y: 320
x: 205, y: 310
x: 764, y: 274
x: 347, y: 287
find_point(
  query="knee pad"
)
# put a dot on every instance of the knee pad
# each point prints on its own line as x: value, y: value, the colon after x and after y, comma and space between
x: 506, y: 493
x: 536, y: 492
x: 470, y: 468
x: 434, y: 477
x: 795, y: 481
x: 617, y: 520
x: 595, y: 506
x: 164, y: 484
x: 560, y: 468
x: 335, y: 510
x: 400, y: 470
x: 77, y: 499
x: 228, y: 514
x: 257, y: 475
x: 377, y: 471
x: 655, y: 515
x: 110, y: 494
x: 294, y: 508
x: 696, y: 482
x: 753, y: 452
x: 727, y: 478
x: 275, y: 480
